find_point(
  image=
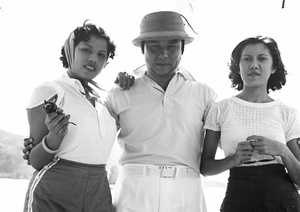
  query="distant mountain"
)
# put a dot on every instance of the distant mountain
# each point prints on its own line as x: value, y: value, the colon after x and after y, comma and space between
x: 12, y: 164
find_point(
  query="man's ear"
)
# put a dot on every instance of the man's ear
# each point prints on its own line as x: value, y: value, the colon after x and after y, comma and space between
x: 142, y: 46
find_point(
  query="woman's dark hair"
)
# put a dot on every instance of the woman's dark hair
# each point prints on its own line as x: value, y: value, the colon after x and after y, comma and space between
x: 276, y: 80
x: 84, y: 33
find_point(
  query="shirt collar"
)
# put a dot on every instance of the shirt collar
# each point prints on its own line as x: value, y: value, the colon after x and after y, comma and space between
x: 185, y: 74
x: 180, y: 71
x: 73, y: 82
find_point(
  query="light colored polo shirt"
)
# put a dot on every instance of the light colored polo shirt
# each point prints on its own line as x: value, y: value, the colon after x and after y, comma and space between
x: 161, y: 127
x: 91, y: 140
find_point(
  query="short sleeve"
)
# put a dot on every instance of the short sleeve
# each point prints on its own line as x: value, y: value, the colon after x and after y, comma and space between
x: 211, y: 100
x: 292, y: 125
x: 110, y: 103
x: 212, y: 121
x: 44, y: 92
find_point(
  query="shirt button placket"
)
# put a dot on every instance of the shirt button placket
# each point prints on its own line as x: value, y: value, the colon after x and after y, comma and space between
x: 168, y: 105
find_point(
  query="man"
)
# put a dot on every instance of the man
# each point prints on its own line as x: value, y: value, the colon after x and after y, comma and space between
x: 161, y: 118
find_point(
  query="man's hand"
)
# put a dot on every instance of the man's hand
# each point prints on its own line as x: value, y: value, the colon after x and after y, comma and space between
x: 28, y: 145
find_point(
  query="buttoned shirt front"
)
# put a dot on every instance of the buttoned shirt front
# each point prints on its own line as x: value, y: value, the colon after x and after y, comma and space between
x: 91, y: 140
x: 161, y: 127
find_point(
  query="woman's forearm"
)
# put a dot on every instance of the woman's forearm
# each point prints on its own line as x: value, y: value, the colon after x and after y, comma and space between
x: 42, y: 154
x: 290, y: 156
x: 39, y: 157
x: 293, y: 167
x: 213, y: 167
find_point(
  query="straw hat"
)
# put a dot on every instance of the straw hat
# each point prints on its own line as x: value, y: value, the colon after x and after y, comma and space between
x: 163, y: 25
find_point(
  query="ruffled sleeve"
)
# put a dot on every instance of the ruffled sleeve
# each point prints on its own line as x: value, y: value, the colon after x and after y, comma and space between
x: 292, y: 124
x: 212, y: 121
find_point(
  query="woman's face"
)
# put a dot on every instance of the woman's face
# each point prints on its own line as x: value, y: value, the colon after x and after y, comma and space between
x: 256, y: 65
x: 90, y: 58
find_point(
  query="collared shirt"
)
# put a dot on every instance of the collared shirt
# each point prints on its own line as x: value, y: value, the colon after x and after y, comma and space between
x: 161, y: 127
x: 91, y: 140
x: 238, y: 119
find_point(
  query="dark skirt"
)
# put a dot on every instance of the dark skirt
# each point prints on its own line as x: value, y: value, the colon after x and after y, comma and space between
x: 66, y: 186
x: 265, y: 188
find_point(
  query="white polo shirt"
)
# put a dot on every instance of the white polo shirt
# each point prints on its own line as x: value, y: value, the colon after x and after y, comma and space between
x: 91, y: 140
x: 161, y: 127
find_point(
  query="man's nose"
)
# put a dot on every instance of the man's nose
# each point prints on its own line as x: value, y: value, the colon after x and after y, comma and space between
x: 164, y: 53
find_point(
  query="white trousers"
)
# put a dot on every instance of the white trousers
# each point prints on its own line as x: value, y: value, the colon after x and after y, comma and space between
x: 141, y: 188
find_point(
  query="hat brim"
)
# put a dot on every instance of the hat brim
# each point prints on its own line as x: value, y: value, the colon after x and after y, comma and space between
x: 179, y: 35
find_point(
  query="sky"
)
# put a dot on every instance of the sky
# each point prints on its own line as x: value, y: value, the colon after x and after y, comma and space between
x: 33, y: 32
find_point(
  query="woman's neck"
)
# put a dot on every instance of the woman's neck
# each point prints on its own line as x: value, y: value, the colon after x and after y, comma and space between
x: 255, y: 96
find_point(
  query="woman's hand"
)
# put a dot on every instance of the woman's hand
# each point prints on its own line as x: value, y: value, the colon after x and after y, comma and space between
x: 289, y: 153
x: 125, y: 80
x: 243, y: 152
x: 266, y: 146
x: 57, y: 122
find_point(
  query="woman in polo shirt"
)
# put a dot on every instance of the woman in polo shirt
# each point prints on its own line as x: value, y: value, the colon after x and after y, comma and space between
x: 72, y: 144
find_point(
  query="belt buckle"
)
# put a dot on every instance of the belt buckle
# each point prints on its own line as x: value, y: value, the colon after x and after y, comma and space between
x: 164, y: 172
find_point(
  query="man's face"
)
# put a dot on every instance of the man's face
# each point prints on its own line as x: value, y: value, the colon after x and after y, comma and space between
x: 162, y: 57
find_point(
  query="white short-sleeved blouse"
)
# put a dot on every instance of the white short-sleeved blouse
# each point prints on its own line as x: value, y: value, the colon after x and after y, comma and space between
x: 91, y: 140
x: 237, y: 119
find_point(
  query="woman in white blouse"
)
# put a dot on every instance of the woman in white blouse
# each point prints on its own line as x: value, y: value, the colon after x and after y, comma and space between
x: 259, y: 135
x: 73, y: 143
